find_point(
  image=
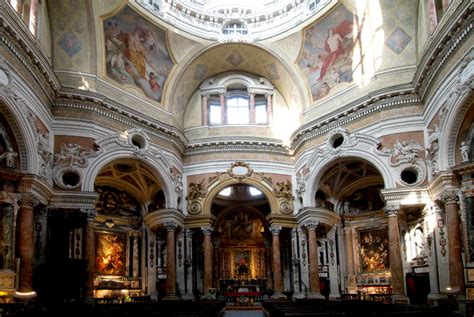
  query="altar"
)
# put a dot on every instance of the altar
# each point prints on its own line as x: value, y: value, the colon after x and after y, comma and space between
x: 243, y: 294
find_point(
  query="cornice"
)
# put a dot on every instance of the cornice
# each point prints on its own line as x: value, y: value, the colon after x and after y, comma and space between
x: 237, y: 146
x: 155, y: 218
x: 321, y: 215
x: 406, y: 196
x: 15, y: 36
x: 443, y: 180
x: 359, y: 109
x: 444, y: 44
x: 108, y: 110
x: 73, y: 200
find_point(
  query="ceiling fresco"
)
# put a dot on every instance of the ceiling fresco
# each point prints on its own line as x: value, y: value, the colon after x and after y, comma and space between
x: 136, y: 53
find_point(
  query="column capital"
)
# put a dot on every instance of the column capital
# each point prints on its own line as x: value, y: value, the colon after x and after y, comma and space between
x: 29, y: 200
x: 449, y: 196
x: 275, y: 230
x: 207, y: 231
x: 392, y: 210
x: 311, y: 225
x: 170, y: 226
x: 89, y: 213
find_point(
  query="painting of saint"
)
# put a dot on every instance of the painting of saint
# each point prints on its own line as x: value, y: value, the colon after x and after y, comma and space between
x: 326, y: 57
x: 110, y: 254
x: 242, y: 263
x: 374, y: 250
x: 136, y: 53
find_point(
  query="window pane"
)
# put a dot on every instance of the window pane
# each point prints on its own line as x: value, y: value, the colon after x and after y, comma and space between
x: 214, y: 114
x: 237, y: 110
x: 261, y: 114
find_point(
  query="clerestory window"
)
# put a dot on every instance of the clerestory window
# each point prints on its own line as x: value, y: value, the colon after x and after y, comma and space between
x: 236, y: 100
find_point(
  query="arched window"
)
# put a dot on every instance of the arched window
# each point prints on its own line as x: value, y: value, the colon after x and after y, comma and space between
x: 236, y: 100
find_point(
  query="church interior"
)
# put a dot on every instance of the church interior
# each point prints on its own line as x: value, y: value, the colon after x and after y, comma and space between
x: 250, y: 154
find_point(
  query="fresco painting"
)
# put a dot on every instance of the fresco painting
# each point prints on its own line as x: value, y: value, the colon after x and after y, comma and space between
x: 326, y: 57
x: 136, y: 53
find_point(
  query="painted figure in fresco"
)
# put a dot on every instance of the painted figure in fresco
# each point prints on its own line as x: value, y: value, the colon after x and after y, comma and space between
x: 118, y: 67
x: 153, y: 81
x: 333, y: 46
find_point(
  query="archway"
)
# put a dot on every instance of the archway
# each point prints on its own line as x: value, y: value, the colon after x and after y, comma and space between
x: 241, y: 240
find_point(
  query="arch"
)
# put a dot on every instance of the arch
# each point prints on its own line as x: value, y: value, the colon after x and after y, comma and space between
x: 457, y: 101
x: 21, y: 128
x: 226, y: 181
x: 251, y: 58
x: 155, y: 165
x: 323, y: 164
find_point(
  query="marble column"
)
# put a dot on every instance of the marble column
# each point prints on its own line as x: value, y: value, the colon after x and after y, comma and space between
x: 170, y: 260
x: 26, y: 245
x: 268, y: 265
x: 276, y: 263
x: 33, y: 23
x: 395, y: 255
x: 188, y: 263
x: 456, y: 270
x: 313, y: 259
x: 89, y: 251
x: 205, y: 110
x: 349, y: 256
x: 207, y: 231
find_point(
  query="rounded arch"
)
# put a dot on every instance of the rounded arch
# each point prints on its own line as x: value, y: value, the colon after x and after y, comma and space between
x: 22, y: 130
x: 323, y: 164
x: 220, y: 184
x: 241, y: 57
x: 369, y: 181
x: 449, y: 141
x: 159, y: 170
x: 231, y: 209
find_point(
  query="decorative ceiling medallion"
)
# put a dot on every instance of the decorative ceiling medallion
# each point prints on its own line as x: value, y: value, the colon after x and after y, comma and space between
x: 240, y: 170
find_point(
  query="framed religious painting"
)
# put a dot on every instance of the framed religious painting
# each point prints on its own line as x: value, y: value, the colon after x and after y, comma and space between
x: 373, y: 245
x: 110, y: 253
x: 470, y: 275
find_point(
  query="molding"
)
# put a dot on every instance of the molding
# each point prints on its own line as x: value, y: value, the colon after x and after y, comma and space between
x: 444, y: 44
x: 406, y: 196
x: 444, y: 180
x: 238, y: 146
x: 73, y: 200
x: 324, y: 216
x: 161, y: 217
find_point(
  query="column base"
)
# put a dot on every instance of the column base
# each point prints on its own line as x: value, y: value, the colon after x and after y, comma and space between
x: 315, y: 295
x: 400, y: 299
x: 278, y: 295
x: 170, y: 297
x: 435, y: 298
x: 335, y: 296
x: 25, y: 295
x: 299, y: 295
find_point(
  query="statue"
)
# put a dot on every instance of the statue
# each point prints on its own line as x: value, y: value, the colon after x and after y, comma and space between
x: 464, y: 152
x: 9, y: 156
